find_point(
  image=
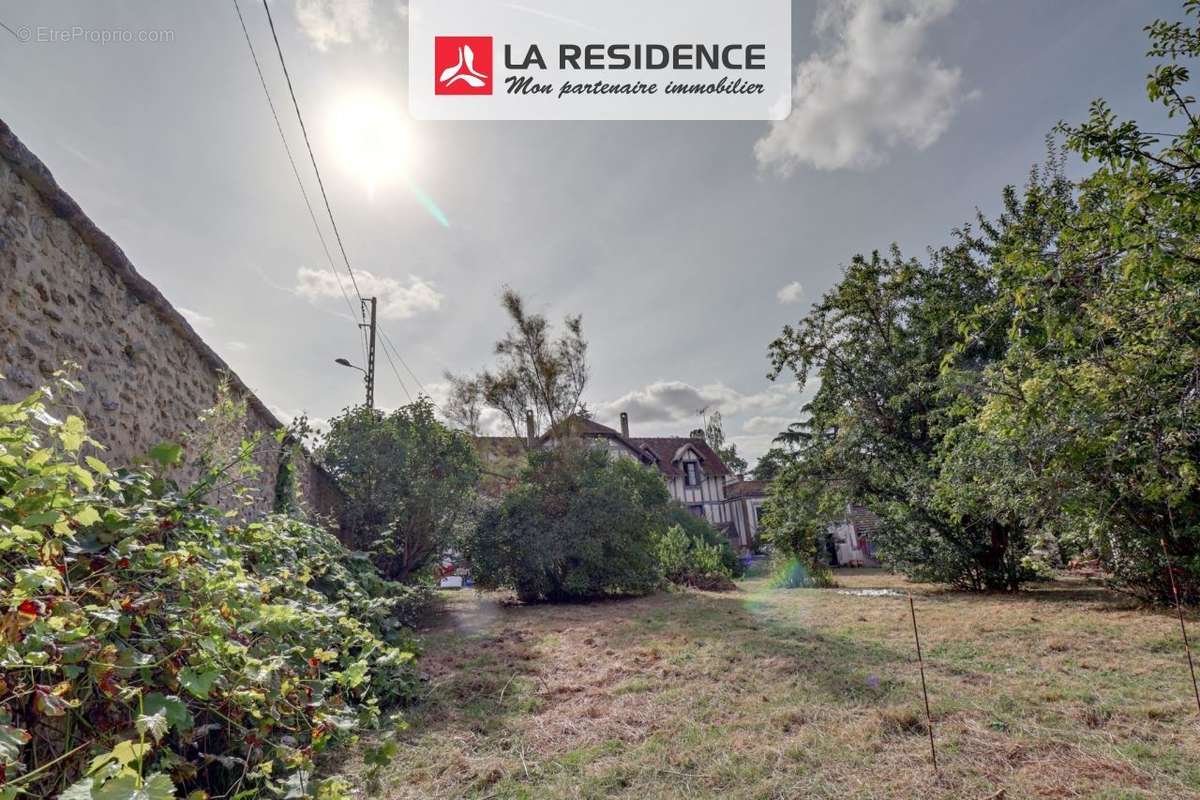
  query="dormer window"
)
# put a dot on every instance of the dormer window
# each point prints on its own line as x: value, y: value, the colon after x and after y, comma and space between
x: 691, y: 473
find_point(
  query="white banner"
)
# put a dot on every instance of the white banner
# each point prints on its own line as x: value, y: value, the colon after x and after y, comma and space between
x: 600, y: 59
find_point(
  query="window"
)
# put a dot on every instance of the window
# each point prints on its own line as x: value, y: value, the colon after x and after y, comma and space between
x: 691, y: 474
x: 758, y: 514
x: 697, y: 510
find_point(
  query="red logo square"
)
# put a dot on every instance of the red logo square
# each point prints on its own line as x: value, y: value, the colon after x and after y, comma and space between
x: 462, y: 65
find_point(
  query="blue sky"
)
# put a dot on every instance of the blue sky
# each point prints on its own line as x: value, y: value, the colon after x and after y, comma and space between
x: 685, y: 246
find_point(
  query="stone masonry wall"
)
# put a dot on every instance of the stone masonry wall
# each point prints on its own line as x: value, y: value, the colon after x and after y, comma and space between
x: 68, y: 293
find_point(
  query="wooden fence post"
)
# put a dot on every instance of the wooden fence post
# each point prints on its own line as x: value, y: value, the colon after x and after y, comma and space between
x: 924, y: 690
x: 1187, y: 648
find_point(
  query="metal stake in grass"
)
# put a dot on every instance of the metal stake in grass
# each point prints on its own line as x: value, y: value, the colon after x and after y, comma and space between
x: 1187, y: 648
x: 924, y: 691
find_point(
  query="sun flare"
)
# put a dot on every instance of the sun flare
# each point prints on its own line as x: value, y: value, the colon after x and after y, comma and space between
x: 372, y: 139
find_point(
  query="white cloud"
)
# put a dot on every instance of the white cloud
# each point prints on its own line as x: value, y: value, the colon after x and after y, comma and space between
x: 676, y: 401
x: 752, y: 448
x: 873, y: 90
x: 792, y: 293
x: 289, y: 415
x: 337, y: 22
x: 771, y: 425
x: 197, y: 319
x: 396, y: 300
x: 237, y: 346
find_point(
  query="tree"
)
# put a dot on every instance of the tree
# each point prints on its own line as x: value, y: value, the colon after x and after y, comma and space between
x: 464, y: 403
x: 714, y: 434
x: 796, y: 521
x: 771, y: 463
x: 1095, y: 408
x: 536, y: 372
x: 878, y: 342
x: 578, y: 525
x: 1036, y: 378
x: 795, y: 435
x: 409, y: 482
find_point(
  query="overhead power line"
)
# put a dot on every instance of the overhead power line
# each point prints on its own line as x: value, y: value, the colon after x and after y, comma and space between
x: 308, y: 145
x: 386, y: 345
x: 389, y: 347
x: 396, y: 350
x: 296, y: 171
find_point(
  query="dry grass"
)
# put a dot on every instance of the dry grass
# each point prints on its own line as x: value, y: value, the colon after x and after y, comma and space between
x: 1058, y: 693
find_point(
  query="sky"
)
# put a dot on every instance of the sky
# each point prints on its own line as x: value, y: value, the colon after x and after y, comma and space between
x: 686, y: 246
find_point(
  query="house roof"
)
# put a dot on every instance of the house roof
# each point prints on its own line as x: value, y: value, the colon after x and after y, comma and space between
x: 502, y: 457
x: 744, y: 489
x: 864, y: 520
x: 589, y: 428
x: 663, y: 451
x: 509, y: 446
x: 665, y: 448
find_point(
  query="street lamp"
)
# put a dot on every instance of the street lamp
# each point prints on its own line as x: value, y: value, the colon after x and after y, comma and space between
x: 345, y: 362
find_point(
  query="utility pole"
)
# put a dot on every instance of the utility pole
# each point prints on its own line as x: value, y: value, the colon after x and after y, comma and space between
x: 370, y: 374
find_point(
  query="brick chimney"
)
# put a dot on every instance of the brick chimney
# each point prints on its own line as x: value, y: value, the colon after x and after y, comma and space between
x: 624, y: 424
x: 530, y: 430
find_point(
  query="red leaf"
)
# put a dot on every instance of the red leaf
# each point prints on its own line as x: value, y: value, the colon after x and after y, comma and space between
x: 108, y: 684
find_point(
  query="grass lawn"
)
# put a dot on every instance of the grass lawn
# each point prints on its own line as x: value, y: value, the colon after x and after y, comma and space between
x: 1066, y: 691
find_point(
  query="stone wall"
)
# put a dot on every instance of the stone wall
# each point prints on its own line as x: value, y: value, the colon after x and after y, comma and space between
x: 68, y: 293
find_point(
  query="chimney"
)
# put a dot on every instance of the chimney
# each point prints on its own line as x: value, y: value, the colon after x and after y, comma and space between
x: 530, y: 430
x: 697, y: 434
x: 624, y: 424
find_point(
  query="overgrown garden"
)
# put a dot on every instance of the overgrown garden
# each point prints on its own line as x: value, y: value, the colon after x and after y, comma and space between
x: 159, y: 640
x: 153, y: 645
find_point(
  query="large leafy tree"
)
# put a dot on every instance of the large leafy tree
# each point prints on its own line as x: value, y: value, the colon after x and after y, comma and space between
x: 409, y: 482
x: 1095, y: 409
x: 879, y: 343
x: 771, y: 463
x: 1039, y: 377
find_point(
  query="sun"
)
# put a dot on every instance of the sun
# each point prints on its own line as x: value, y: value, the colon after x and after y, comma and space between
x: 372, y: 139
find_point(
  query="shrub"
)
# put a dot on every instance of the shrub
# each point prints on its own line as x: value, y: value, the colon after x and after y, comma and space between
x: 698, y: 529
x: 409, y: 482
x: 674, y: 549
x: 150, y: 644
x: 578, y: 525
x: 692, y: 562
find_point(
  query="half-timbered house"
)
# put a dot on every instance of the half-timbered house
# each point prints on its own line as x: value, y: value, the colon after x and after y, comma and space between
x: 694, y: 473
